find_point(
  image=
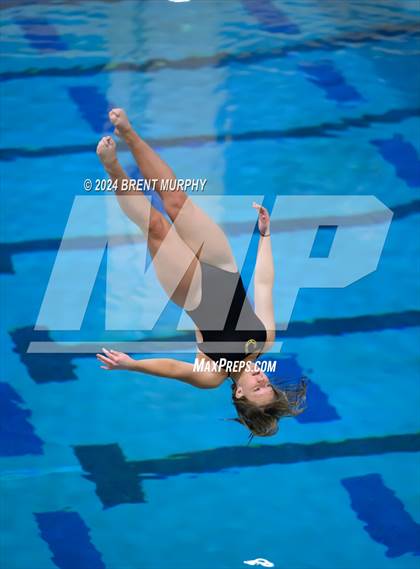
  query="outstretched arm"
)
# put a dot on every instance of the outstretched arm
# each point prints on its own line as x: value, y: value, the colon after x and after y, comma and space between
x: 264, y: 277
x: 161, y: 367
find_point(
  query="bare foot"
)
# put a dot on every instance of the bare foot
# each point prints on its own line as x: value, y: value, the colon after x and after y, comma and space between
x: 119, y: 119
x: 107, y: 151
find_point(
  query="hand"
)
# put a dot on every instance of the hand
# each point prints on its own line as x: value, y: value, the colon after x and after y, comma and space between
x: 115, y: 360
x: 263, y: 219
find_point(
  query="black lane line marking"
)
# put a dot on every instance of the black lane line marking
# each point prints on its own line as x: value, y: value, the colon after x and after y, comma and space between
x: 221, y: 59
x: 323, y: 130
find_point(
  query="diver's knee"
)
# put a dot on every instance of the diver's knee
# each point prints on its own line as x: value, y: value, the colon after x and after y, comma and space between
x: 157, y: 226
x: 178, y: 202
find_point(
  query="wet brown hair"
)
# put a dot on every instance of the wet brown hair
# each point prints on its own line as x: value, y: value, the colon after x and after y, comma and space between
x: 263, y: 421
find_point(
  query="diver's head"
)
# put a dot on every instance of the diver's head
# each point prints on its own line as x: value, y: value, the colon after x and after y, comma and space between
x: 260, y: 404
x: 254, y: 385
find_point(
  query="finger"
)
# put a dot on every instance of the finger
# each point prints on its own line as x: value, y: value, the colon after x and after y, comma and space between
x: 108, y: 353
x: 104, y: 367
x: 105, y: 360
x: 101, y: 358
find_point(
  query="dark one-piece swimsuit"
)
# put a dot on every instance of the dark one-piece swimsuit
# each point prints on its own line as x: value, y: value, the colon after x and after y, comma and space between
x: 225, y: 317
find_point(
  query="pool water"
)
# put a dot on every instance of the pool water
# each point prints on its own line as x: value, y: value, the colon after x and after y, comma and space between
x: 263, y: 98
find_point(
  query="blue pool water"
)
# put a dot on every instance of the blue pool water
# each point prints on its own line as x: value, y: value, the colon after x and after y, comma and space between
x: 263, y: 98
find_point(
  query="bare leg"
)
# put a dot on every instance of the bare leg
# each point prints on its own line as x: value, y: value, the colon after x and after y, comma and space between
x: 175, y: 264
x: 193, y: 225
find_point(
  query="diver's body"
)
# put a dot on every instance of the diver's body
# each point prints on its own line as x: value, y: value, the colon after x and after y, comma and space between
x: 226, y: 320
x: 195, y: 266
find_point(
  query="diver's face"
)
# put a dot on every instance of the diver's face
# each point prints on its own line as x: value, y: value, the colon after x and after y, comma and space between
x: 255, y: 386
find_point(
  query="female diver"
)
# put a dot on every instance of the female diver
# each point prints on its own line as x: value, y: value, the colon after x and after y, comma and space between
x: 211, y: 291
